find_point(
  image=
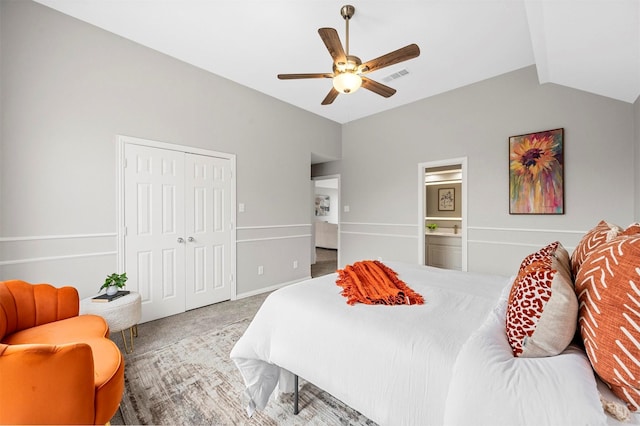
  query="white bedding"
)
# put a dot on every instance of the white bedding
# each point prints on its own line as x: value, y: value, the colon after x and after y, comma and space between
x: 385, y: 361
x: 445, y: 362
x: 490, y: 386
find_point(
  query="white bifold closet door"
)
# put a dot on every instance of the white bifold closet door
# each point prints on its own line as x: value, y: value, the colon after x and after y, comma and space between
x: 178, y: 229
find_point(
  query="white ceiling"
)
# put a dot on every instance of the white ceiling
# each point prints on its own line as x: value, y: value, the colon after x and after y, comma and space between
x: 591, y: 45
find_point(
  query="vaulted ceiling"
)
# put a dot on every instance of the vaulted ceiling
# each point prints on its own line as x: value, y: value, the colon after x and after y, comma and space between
x: 590, y: 45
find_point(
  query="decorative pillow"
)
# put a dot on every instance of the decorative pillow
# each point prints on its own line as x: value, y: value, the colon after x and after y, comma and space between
x: 608, y: 289
x: 543, y: 254
x: 542, y: 309
x: 632, y: 229
x: 600, y: 234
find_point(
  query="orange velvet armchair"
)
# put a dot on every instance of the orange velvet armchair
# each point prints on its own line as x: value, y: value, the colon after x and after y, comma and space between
x: 56, y: 367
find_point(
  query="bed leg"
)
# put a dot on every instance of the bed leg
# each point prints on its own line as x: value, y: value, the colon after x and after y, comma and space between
x: 295, y: 394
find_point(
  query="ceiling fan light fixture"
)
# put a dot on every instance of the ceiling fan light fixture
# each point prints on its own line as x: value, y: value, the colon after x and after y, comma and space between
x: 347, y: 82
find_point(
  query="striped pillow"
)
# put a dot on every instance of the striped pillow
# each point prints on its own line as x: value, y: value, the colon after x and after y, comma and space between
x: 608, y: 289
x: 632, y: 229
x: 600, y: 234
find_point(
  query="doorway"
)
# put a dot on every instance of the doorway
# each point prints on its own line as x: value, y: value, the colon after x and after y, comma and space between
x: 326, y: 224
x: 177, y: 242
x: 442, y: 195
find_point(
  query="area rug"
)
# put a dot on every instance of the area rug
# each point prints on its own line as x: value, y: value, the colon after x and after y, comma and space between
x: 195, y: 382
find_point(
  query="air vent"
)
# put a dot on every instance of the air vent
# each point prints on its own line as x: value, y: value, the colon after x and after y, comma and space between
x: 395, y: 75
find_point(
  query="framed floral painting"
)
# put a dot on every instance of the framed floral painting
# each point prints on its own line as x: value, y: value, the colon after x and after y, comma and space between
x: 536, y: 173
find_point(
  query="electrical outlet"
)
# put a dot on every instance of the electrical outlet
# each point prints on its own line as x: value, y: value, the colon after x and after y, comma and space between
x: 295, y: 264
x: 346, y: 209
x: 260, y: 270
x: 241, y: 208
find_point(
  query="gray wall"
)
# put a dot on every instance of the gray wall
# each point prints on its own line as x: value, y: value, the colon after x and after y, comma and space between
x: 636, y: 179
x: 334, y: 204
x: 68, y: 88
x: 381, y: 155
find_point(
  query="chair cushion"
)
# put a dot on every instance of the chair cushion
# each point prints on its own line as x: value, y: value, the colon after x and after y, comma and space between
x: 108, y: 363
x: 70, y: 330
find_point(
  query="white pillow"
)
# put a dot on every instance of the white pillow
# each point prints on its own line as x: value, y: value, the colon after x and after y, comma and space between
x: 489, y: 386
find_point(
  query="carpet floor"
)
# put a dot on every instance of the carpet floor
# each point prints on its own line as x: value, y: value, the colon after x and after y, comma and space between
x: 326, y: 262
x: 181, y: 373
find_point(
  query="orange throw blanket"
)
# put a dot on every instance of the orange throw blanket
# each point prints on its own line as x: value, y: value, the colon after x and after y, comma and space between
x: 373, y: 283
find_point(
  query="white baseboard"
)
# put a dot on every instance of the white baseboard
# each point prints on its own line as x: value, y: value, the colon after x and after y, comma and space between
x: 269, y: 289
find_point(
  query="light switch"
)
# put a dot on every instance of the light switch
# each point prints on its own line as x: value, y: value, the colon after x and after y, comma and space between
x: 241, y: 207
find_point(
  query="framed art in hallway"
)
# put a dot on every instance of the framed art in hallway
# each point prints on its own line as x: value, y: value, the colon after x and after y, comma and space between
x: 323, y: 205
x: 446, y: 199
x: 536, y: 173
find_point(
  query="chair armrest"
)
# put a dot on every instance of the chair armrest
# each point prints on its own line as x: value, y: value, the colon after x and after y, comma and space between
x: 51, y: 384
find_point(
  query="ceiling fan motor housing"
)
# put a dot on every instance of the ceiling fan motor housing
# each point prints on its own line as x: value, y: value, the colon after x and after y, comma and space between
x: 351, y: 65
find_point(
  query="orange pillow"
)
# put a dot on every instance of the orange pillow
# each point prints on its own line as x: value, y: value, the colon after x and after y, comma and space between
x: 600, y: 234
x: 632, y: 229
x: 608, y: 289
x: 542, y: 309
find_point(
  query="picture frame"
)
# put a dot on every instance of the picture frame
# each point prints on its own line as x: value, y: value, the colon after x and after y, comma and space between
x: 536, y: 173
x: 446, y: 199
x: 323, y: 205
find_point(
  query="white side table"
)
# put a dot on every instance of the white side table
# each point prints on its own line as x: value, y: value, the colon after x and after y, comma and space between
x: 121, y: 314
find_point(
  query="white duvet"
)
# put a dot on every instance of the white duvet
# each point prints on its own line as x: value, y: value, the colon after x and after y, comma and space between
x: 444, y: 362
x: 489, y: 386
x: 391, y: 363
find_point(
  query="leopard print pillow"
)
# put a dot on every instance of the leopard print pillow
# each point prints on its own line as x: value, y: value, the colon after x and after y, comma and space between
x: 542, y: 310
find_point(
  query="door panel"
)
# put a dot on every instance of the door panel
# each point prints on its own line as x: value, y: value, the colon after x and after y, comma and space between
x: 208, y: 230
x: 154, y: 218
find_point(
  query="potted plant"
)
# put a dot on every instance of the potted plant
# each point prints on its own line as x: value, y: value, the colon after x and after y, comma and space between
x: 114, y: 282
x: 432, y: 226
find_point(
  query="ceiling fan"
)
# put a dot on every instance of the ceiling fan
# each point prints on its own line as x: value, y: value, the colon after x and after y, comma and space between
x: 348, y: 70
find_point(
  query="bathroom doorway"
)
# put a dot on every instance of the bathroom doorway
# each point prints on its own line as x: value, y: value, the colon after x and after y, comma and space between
x: 326, y: 223
x: 442, y: 195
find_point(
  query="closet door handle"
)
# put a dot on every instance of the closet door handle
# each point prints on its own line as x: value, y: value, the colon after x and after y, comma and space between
x: 191, y: 239
x: 180, y: 240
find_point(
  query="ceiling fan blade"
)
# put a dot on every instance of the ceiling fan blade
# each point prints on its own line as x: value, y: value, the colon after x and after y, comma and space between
x: 334, y: 46
x: 408, y: 52
x: 331, y: 96
x: 295, y: 76
x: 378, y: 88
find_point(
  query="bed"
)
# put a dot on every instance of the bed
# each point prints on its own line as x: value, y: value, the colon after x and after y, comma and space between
x: 447, y: 361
